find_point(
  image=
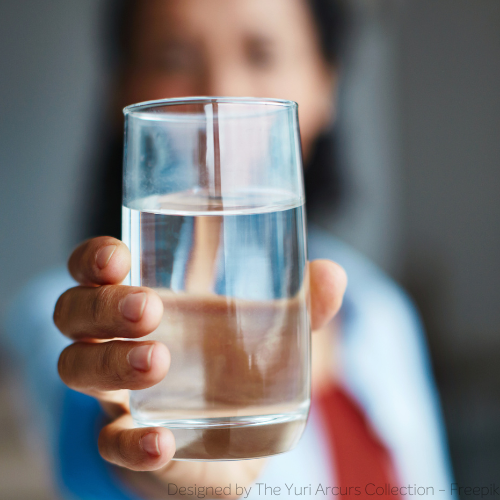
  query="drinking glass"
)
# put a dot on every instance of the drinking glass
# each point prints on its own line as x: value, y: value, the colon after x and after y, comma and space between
x: 213, y: 215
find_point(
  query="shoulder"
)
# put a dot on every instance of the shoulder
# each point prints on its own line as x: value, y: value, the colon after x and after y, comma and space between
x: 361, y: 271
x: 381, y: 329
x: 385, y: 362
x: 371, y: 295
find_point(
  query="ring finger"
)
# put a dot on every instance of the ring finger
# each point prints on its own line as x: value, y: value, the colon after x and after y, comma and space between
x: 109, y: 366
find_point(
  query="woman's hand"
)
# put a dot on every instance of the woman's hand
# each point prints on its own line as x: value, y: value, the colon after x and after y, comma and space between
x: 101, y: 310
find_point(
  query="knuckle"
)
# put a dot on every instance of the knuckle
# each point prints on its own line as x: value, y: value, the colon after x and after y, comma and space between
x: 100, y: 303
x: 122, y: 447
x: 125, y: 450
x: 110, y: 368
x: 107, y: 360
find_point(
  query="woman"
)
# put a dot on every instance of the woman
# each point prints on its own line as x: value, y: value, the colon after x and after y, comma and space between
x: 374, y: 419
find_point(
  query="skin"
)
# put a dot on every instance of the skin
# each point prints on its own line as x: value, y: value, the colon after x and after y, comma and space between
x: 95, y: 313
x: 222, y: 48
x: 180, y: 48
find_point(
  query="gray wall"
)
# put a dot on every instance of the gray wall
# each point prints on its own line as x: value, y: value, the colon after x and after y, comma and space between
x: 449, y: 95
x: 48, y: 82
x: 450, y: 114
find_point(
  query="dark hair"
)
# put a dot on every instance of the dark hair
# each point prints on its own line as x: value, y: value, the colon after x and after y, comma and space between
x: 323, y: 180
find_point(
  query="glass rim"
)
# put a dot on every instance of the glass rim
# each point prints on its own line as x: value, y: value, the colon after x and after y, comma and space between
x: 144, y: 107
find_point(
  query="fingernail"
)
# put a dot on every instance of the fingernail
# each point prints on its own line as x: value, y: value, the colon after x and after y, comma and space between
x: 132, y: 306
x: 150, y: 445
x: 140, y: 357
x: 104, y: 256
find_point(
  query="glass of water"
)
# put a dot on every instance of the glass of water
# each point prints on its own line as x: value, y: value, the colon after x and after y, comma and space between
x: 213, y: 215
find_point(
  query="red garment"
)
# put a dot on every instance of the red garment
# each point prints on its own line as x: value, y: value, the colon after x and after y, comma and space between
x: 363, y: 466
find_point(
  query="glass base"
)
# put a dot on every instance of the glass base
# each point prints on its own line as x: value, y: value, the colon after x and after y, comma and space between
x: 237, y: 438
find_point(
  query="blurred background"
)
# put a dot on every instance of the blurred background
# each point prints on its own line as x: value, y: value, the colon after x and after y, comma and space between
x: 419, y: 123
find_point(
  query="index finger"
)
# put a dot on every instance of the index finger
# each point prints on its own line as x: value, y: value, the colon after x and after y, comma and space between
x: 100, y: 261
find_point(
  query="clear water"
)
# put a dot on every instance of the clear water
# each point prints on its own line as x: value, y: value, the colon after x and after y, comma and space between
x: 233, y: 283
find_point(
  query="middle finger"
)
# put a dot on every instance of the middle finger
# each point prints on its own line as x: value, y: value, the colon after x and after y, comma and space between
x: 108, y: 311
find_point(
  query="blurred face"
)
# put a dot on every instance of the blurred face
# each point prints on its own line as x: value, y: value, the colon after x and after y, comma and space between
x: 257, y: 48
